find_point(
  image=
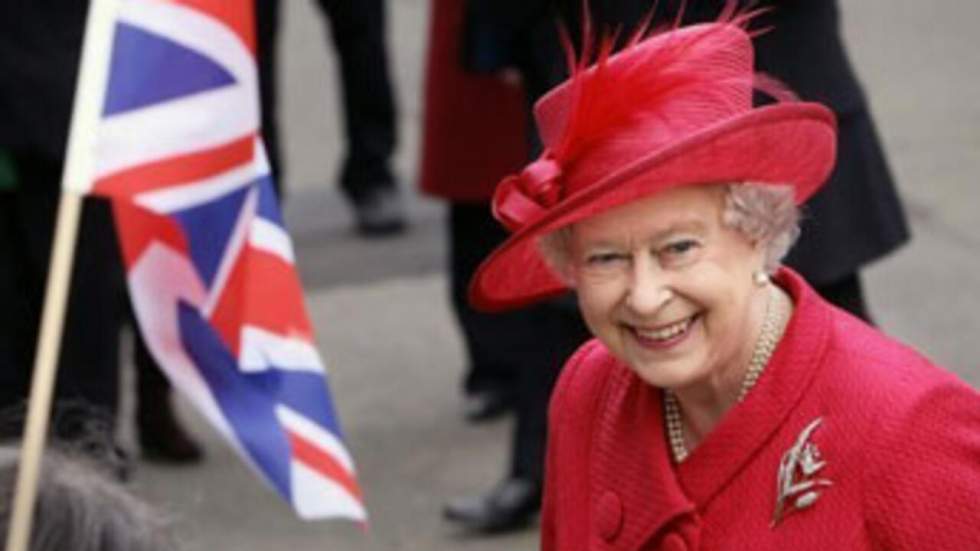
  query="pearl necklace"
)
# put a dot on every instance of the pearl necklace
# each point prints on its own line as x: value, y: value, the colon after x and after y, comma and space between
x: 772, y: 326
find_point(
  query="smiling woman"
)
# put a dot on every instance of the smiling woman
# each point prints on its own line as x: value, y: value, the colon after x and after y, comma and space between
x: 674, y: 285
x: 723, y: 404
x: 670, y: 290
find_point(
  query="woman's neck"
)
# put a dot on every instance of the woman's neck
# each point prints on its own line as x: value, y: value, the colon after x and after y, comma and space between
x: 703, y: 405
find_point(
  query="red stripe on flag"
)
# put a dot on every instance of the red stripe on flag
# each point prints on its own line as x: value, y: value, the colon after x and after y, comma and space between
x: 263, y: 291
x: 322, y: 462
x: 238, y: 16
x: 138, y: 228
x: 181, y: 169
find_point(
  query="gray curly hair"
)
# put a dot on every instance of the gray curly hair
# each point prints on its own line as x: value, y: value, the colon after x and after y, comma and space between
x: 765, y: 213
x: 80, y: 509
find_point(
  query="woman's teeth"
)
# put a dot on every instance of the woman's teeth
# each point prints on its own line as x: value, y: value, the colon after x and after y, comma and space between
x: 665, y: 333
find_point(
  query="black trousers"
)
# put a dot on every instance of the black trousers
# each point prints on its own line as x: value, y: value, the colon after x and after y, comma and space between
x: 472, y: 234
x: 525, y: 348
x: 358, y: 31
x: 152, y: 386
x: 88, y: 362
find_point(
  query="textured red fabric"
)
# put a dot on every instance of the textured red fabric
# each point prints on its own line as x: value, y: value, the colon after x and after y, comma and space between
x: 900, y: 437
x: 474, y: 125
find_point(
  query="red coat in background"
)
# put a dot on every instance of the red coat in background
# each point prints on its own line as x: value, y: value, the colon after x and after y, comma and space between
x: 900, y: 439
x: 474, y: 131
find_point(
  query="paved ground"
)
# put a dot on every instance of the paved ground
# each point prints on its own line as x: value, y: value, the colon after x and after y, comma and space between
x: 384, y: 321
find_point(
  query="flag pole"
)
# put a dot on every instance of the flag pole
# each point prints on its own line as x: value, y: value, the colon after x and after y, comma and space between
x: 76, y: 177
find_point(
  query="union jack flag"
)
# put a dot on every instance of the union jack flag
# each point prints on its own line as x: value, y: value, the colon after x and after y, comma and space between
x: 210, y: 266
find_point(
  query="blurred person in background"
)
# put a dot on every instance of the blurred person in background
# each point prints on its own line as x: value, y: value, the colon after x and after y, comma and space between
x: 451, y: 168
x: 162, y: 437
x: 366, y: 178
x: 39, y: 51
x: 723, y: 402
x: 475, y: 132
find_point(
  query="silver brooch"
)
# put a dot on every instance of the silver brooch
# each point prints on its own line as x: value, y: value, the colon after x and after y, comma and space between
x: 796, y: 487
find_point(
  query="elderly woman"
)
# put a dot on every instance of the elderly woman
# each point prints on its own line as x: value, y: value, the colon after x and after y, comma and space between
x: 723, y: 404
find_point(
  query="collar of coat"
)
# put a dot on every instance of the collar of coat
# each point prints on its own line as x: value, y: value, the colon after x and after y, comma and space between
x: 654, y: 492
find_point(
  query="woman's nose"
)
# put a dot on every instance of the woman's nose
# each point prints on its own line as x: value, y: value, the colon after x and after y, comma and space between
x: 648, y: 290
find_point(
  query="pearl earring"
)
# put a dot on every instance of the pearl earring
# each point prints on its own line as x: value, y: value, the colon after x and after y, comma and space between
x: 760, y: 278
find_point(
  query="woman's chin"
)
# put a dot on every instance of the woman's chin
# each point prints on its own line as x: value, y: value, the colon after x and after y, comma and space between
x: 670, y: 363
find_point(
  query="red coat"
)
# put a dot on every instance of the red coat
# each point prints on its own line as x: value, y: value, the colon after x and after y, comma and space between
x: 474, y: 125
x: 900, y: 438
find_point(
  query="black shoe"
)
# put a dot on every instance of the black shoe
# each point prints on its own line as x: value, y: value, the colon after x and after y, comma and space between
x: 484, y: 405
x: 380, y: 213
x: 163, y: 440
x: 511, y: 505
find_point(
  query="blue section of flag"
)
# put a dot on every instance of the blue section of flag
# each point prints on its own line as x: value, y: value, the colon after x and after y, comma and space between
x: 209, y: 227
x: 147, y: 69
x: 268, y: 202
x: 246, y: 405
x: 301, y: 391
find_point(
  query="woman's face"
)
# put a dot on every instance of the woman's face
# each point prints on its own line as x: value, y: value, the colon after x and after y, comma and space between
x: 667, y: 287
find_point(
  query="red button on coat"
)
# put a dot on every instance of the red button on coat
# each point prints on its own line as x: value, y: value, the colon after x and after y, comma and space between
x: 609, y: 516
x: 673, y: 542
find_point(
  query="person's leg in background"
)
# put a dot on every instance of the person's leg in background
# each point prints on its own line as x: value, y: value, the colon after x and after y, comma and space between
x: 543, y: 338
x: 490, y: 381
x: 86, y: 392
x: 358, y: 30
x: 18, y: 317
x: 161, y: 436
x: 267, y: 39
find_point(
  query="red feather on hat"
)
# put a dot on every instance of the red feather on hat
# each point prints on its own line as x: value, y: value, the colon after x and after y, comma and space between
x: 603, y: 102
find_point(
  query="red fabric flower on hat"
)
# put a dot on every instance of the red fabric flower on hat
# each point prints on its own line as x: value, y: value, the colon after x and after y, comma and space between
x: 521, y: 197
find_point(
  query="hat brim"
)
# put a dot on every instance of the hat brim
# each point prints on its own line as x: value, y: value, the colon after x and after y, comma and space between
x: 790, y: 143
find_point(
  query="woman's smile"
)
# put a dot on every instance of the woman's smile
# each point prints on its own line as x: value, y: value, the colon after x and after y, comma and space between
x: 665, y: 336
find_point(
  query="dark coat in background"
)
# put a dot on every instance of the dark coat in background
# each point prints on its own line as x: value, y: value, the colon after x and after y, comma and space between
x: 40, y: 42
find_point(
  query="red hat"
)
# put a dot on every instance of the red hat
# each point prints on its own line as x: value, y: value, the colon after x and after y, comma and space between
x: 669, y: 110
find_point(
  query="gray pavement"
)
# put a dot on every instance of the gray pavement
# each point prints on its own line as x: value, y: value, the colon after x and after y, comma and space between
x: 385, y: 326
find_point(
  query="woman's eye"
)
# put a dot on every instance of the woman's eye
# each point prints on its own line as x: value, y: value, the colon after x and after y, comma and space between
x: 681, y: 246
x: 679, y: 249
x: 603, y: 259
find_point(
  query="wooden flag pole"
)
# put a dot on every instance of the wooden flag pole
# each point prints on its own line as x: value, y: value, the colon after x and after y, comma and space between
x: 76, y: 179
